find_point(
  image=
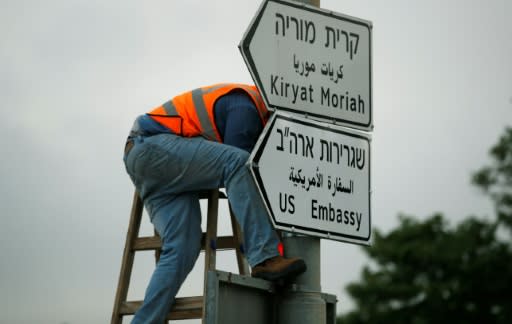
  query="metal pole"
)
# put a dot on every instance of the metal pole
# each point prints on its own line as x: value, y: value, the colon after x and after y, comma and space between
x: 303, y: 303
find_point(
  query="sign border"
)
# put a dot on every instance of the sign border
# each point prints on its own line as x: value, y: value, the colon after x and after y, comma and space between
x: 256, y: 155
x: 249, y: 61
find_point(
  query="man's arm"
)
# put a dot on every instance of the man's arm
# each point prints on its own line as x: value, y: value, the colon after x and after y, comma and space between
x: 238, y: 121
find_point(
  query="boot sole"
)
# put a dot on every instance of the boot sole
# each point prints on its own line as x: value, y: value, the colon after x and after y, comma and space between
x: 293, y: 270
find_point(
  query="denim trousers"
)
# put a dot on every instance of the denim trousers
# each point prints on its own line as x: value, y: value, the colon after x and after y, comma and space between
x: 169, y: 171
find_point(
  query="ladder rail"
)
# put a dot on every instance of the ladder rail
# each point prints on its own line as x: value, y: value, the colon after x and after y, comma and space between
x: 185, y: 307
x: 128, y: 258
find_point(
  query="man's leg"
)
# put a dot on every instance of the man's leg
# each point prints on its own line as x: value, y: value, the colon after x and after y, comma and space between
x: 152, y: 166
x: 218, y: 165
x: 178, y: 222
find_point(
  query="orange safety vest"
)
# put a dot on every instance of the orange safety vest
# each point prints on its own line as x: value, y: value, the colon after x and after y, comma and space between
x: 192, y: 113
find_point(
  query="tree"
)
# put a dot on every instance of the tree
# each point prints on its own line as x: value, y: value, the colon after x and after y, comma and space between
x: 496, y: 179
x: 428, y: 272
x: 431, y: 272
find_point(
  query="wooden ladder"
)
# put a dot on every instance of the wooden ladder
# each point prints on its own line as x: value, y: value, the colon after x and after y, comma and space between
x: 185, y: 307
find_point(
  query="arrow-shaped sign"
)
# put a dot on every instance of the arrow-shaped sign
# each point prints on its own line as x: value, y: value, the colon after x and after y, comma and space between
x: 314, y: 178
x: 312, y: 61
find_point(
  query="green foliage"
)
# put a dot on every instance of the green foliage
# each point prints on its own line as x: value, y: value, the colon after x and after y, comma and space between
x: 496, y: 179
x: 427, y: 272
x: 431, y: 272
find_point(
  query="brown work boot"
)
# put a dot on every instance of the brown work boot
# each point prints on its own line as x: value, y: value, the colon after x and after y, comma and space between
x: 277, y: 268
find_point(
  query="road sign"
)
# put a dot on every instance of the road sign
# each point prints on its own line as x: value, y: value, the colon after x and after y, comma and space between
x: 312, y: 61
x: 314, y: 178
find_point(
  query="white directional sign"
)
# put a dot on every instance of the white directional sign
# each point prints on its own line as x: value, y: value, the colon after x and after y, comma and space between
x: 308, y: 60
x: 314, y: 178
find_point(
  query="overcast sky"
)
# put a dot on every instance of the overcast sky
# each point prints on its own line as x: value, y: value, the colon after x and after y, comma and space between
x: 74, y: 75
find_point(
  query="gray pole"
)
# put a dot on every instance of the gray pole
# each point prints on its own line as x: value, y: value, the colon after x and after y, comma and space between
x: 303, y: 303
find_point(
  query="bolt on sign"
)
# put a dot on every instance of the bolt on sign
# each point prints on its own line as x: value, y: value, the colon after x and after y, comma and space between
x: 311, y: 61
x: 314, y: 178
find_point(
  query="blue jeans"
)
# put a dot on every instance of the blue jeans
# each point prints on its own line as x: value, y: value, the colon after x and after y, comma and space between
x: 168, y: 172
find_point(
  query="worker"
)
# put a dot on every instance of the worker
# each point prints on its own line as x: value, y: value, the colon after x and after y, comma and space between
x: 197, y: 141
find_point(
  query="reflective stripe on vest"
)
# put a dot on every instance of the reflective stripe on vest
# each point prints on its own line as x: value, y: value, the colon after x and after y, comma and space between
x: 202, y: 115
x: 169, y: 108
x: 260, y: 105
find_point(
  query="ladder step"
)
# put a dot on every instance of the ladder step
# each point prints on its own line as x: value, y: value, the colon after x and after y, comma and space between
x: 147, y: 243
x: 155, y: 243
x: 184, y: 308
